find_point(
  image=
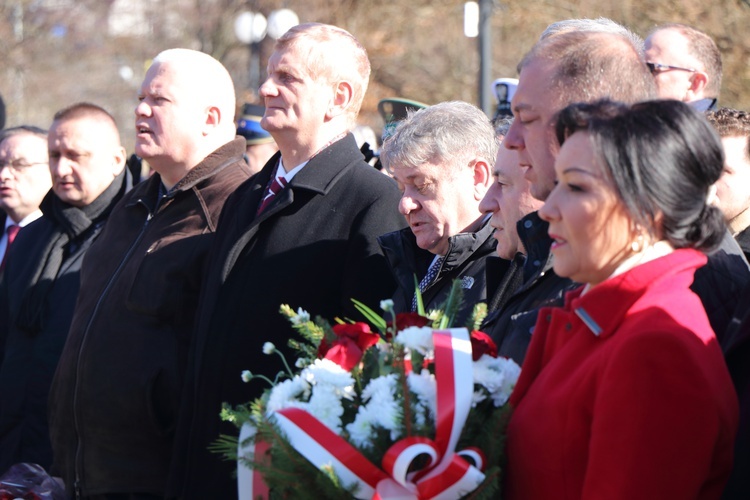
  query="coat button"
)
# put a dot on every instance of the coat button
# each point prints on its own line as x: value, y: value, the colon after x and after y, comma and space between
x: 568, y: 326
x: 549, y: 318
x: 527, y: 224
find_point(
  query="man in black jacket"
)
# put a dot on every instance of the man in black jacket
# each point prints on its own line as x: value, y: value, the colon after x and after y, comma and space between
x: 40, y: 286
x: 442, y: 158
x: 522, y: 279
x: 312, y: 244
x: 115, y: 396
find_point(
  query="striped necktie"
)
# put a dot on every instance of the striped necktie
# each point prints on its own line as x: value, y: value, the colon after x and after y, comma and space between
x: 276, y: 186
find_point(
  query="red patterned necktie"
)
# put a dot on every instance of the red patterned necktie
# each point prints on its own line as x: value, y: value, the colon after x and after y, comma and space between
x: 276, y: 186
x: 12, y: 231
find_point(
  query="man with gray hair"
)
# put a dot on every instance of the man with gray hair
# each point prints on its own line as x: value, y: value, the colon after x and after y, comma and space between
x: 600, y: 25
x: 115, y: 396
x: 686, y: 64
x: 442, y: 158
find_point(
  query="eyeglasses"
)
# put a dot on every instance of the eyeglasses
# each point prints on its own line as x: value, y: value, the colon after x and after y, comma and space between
x: 19, y: 164
x: 655, y: 68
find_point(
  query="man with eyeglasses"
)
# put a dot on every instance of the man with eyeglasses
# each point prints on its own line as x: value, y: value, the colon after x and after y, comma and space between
x: 24, y: 180
x: 40, y: 284
x: 686, y: 65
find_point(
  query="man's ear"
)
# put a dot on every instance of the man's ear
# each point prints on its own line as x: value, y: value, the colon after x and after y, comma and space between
x: 698, y: 83
x: 213, y: 119
x: 342, y: 98
x: 482, y: 178
x: 119, y: 160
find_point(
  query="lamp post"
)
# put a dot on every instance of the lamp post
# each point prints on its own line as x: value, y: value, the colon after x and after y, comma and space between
x: 251, y: 28
x: 477, y: 24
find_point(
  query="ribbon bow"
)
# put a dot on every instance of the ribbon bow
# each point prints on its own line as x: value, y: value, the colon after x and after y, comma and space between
x: 448, y: 473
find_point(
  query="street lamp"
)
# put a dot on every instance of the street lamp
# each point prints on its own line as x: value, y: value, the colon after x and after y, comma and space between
x: 251, y: 28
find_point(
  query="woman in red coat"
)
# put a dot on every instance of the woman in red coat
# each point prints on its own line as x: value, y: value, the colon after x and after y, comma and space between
x: 624, y: 393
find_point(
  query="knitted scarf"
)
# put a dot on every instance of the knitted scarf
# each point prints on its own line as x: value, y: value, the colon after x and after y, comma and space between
x: 72, y: 227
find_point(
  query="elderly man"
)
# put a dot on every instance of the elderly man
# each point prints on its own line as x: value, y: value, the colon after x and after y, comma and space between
x: 24, y: 180
x: 115, y: 396
x: 302, y: 232
x: 40, y: 286
x: 733, y: 189
x: 441, y: 158
x: 686, y: 64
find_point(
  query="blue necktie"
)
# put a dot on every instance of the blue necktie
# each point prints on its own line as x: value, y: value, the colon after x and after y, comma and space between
x: 432, y: 273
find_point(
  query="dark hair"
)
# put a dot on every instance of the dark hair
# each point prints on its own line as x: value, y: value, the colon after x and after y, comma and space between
x: 662, y: 157
x: 84, y: 110
x: 23, y: 129
x: 730, y: 122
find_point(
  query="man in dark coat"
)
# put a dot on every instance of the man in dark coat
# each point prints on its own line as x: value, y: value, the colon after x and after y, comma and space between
x: 115, y: 395
x: 24, y: 181
x: 522, y: 279
x: 313, y: 245
x: 441, y: 157
x: 39, y: 288
x: 733, y: 189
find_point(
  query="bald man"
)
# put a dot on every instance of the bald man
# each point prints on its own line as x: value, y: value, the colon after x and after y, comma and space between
x: 115, y: 395
x: 41, y: 282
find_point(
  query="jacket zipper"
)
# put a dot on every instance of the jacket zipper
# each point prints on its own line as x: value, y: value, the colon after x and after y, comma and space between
x: 78, y: 460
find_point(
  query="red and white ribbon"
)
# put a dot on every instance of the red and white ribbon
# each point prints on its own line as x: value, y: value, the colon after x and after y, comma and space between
x: 250, y: 482
x: 448, y: 475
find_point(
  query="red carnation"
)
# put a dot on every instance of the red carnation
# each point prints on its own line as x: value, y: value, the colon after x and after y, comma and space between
x: 352, y: 340
x: 481, y: 343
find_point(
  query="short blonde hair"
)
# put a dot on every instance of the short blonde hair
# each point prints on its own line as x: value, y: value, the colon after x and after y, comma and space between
x: 334, y: 54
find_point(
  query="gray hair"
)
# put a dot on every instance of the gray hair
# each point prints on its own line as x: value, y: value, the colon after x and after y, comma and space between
x: 452, y: 132
x: 593, y: 65
x: 600, y: 24
x: 502, y: 125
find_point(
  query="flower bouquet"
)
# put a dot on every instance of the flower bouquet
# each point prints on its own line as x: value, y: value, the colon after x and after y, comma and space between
x: 413, y: 409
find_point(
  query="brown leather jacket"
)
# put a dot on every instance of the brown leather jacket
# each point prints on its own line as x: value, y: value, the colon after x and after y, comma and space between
x: 115, y: 395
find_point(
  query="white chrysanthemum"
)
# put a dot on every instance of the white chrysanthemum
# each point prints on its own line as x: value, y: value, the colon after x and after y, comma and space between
x: 380, y: 395
x: 302, y: 316
x: 424, y: 386
x: 325, y: 371
x: 360, y: 430
x: 325, y: 405
x: 288, y: 393
x: 498, y: 376
x: 417, y: 339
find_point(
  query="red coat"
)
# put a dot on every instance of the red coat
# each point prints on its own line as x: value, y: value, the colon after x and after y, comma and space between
x: 624, y: 394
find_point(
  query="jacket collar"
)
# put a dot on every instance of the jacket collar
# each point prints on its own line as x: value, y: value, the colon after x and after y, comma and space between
x: 461, y: 247
x: 532, y: 231
x: 604, y: 306
x: 221, y: 158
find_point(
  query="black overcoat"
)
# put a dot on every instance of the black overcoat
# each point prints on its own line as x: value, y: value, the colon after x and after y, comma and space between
x: 314, y: 247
